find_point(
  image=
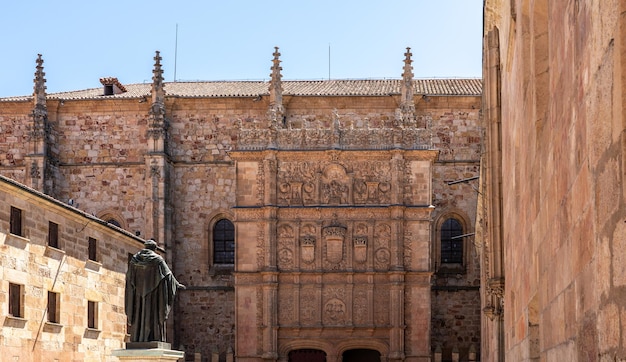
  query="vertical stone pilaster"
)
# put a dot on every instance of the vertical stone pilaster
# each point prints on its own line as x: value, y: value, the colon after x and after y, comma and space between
x: 270, y: 316
x: 396, y: 317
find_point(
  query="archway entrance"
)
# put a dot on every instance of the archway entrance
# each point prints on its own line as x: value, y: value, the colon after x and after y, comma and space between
x: 361, y: 355
x: 307, y: 355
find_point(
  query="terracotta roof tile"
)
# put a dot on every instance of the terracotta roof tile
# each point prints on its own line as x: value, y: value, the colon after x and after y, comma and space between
x: 445, y: 87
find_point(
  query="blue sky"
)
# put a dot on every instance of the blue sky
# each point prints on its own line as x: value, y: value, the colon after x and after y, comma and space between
x: 82, y: 41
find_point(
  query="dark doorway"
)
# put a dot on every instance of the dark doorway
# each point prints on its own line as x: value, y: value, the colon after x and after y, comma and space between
x: 361, y: 355
x: 307, y: 355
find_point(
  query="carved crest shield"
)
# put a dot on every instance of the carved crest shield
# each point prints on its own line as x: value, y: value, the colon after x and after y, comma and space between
x: 307, y: 249
x: 360, y: 249
x: 333, y: 236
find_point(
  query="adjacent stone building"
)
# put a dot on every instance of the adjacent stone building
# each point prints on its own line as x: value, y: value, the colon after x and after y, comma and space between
x: 329, y: 219
x: 62, y: 279
x: 551, y: 218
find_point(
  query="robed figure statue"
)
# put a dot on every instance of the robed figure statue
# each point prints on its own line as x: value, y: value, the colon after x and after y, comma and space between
x: 150, y: 291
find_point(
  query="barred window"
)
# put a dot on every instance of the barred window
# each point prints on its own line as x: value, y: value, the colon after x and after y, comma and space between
x: 451, y: 243
x: 224, y: 242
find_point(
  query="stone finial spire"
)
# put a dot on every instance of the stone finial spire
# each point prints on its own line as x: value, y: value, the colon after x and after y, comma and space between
x: 276, y: 110
x: 158, y: 91
x: 405, y: 115
x: 38, y: 128
x: 158, y: 127
x: 407, y: 78
x: 40, y: 110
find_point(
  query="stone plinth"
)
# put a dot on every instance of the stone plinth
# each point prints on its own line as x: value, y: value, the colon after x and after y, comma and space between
x: 148, y: 352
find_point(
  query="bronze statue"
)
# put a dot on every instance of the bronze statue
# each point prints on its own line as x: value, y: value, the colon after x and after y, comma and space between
x: 150, y: 291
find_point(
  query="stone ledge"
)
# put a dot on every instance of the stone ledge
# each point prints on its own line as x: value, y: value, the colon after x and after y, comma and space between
x: 149, y: 354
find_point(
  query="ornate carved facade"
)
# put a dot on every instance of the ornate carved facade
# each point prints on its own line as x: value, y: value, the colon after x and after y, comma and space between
x: 302, y: 215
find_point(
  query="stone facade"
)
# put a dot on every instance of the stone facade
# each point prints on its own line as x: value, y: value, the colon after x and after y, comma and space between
x: 552, y: 214
x: 34, y: 332
x: 337, y: 190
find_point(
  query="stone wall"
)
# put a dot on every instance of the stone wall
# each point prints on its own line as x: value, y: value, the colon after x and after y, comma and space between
x: 561, y: 86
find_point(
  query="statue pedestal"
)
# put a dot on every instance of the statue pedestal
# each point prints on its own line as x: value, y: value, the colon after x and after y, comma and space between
x: 148, y: 352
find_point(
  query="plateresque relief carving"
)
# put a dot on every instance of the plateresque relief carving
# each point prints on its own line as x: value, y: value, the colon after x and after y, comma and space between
x: 334, y: 239
x: 286, y: 237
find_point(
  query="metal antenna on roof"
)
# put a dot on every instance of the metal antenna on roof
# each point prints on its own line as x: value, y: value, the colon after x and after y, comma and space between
x: 175, y: 51
x: 328, y: 61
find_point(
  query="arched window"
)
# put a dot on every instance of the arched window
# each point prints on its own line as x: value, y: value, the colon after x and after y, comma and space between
x: 224, y: 242
x: 451, y: 242
x: 114, y: 222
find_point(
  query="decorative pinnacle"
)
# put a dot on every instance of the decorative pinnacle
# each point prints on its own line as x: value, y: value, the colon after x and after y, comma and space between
x: 276, y: 110
x: 276, y: 68
x: 407, y: 75
x: 276, y: 90
x: 40, y: 83
x: 158, y: 93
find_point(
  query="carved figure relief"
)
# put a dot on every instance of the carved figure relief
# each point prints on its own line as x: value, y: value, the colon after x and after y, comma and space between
x: 335, y: 185
x: 335, y: 312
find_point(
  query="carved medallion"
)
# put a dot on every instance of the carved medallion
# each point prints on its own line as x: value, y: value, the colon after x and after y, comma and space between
x: 335, y: 311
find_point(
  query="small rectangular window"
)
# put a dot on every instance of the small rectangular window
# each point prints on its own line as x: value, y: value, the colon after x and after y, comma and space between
x: 16, y: 221
x: 53, y: 234
x: 16, y: 300
x: 92, y: 315
x: 53, y: 307
x: 92, y: 249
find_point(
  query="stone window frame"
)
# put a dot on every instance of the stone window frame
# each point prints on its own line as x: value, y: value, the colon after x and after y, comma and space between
x: 450, y: 268
x: 218, y: 268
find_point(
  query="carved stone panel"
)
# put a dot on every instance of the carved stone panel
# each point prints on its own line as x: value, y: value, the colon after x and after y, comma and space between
x: 309, y: 306
x: 286, y: 312
x: 336, y: 185
x: 360, y: 248
x: 286, y: 239
x: 382, y: 252
x: 334, y: 311
x: 360, y: 306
